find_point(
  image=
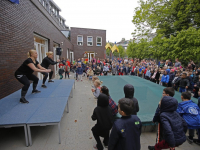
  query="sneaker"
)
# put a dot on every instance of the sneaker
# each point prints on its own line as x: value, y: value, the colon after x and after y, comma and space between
x: 151, y: 147
x: 196, y: 141
x: 23, y: 100
x: 35, y: 91
x: 50, y: 81
x: 44, y: 86
x: 190, y: 141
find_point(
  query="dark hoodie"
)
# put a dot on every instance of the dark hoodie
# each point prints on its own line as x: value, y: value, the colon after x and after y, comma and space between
x: 129, y: 93
x: 174, y: 126
x: 103, y: 114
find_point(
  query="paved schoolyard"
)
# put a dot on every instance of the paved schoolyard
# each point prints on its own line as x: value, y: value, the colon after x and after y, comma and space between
x: 75, y: 128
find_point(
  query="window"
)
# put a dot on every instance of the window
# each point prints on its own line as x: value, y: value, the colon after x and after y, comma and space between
x: 89, y: 41
x: 80, y: 40
x: 99, y: 41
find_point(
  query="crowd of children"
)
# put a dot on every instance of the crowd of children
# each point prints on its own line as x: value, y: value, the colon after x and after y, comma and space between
x: 174, y: 119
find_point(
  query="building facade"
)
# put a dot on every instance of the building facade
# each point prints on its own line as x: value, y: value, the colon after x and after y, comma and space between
x: 88, y: 43
x: 32, y: 24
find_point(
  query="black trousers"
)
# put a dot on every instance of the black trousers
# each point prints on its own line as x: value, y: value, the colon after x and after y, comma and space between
x: 46, y: 76
x: 67, y: 74
x: 97, y: 134
x: 24, y: 79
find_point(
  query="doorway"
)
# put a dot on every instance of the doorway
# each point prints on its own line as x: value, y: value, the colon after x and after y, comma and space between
x: 90, y: 56
x: 71, y: 56
x: 41, y: 46
x: 56, y: 57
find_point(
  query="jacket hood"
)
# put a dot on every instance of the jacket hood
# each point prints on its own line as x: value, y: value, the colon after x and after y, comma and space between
x: 103, y: 100
x: 129, y: 91
x: 168, y: 104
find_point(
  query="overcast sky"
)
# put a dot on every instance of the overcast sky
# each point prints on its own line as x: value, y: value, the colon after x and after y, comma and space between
x: 114, y: 16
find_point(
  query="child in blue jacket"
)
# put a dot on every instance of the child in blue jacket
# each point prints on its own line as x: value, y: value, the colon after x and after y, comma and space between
x: 191, y: 114
x: 165, y: 79
x: 126, y: 131
x: 79, y: 71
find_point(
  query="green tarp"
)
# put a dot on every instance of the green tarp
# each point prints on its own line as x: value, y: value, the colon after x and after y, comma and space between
x: 147, y: 93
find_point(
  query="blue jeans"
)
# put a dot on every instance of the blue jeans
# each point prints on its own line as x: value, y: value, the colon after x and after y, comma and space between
x: 182, y: 90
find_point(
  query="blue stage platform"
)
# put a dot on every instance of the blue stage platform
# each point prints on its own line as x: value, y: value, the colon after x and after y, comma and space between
x: 45, y: 108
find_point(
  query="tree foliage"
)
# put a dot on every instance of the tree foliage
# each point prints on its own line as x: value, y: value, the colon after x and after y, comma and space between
x: 176, y: 25
x: 185, y: 46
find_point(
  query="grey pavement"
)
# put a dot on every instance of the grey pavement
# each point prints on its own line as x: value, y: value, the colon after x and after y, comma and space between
x: 75, y: 128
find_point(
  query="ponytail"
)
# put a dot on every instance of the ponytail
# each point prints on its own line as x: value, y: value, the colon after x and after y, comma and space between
x: 30, y: 52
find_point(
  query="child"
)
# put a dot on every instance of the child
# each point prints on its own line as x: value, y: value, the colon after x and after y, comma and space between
x: 102, y: 113
x: 90, y: 73
x: 129, y: 93
x: 112, y: 103
x: 183, y: 83
x: 114, y: 70
x: 121, y: 69
x: 147, y: 74
x: 67, y: 70
x: 190, y: 113
x: 174, y: 126
x: 140, y: 72
x: 61, y: 70
x: 126, y: 131
x: 79, y: 71
x: 171, y: 77
x: 165, y: 79
x: 105, y: 69
x: 97, y: 86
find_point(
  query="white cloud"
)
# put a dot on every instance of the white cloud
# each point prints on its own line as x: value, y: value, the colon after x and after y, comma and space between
x: 115, y: 16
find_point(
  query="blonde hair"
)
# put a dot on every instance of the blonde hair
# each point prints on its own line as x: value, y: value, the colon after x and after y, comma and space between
x: 95, y: 78
x: 30, y: 52
x: 98, y: 82
x: 49, y: 53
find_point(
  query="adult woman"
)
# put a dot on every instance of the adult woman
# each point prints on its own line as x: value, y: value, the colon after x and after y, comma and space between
x: 25, y: 73
x: 45, y: 63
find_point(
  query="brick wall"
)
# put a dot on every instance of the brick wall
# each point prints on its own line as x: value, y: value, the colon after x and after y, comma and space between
x: 18, y: 23
x: 79, y: 50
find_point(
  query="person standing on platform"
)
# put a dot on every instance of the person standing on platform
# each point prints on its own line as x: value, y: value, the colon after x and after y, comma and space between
x: 45, y: 63
x: 25, y: 73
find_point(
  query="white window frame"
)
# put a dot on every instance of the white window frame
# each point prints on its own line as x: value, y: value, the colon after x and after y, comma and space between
x: 89, y: 41
x: 80, y: 41
x: 98, y: 42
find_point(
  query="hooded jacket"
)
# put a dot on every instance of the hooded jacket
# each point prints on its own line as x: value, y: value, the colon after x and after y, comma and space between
x: 103, y: 114
x: 190, y: 113
x: 174, y: 126
x: 129, y: 93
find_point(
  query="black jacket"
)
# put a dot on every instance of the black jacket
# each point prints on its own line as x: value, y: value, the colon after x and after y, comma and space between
x: 125, y: 134
x: 47, y: 61
x: 174, y: 126
x: 129, y: 93
x: 157, y: 76
x: 103, y: 114
x: 183, y: 83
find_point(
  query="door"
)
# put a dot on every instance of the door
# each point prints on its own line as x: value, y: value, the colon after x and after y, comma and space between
x: 56, y: 57
x: 90, y: 56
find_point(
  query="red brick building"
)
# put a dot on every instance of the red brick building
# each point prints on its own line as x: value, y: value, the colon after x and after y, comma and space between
x: 32, y: 24
x: 90, y: 42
